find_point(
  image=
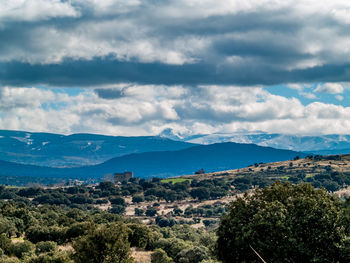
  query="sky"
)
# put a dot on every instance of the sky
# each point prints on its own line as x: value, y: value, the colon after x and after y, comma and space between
x: 139, y: 67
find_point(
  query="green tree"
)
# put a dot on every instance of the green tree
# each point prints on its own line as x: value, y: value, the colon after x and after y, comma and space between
x: 284, y: 223
x: 139, y: 212
x: 45, y: 246
x: 22, y: 248
x: 52, y: 257
x: 160, y: 256
x: 118, y: 201
x: 5, y: 244
x: 201, y: 193
x: 117, y: 209
x: 140, y: 236
x: 193, y: 255
x: 7, y: 227
x: 138, y: 199
x: 104, y: 244
x: 151, y: 211
x: 172, y: 246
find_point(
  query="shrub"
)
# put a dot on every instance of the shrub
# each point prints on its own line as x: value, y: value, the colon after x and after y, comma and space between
x: 138, y: 199
x: 160, y: 256
x: 22, y: 248
x: 104, y: 244
x: 45, y: 246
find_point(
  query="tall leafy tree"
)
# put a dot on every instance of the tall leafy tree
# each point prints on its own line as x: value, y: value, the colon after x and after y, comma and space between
x: 104, y: 244
x: 284, y: 223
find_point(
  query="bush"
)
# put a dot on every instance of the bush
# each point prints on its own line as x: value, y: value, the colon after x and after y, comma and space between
x: 45, y: 246
x: 150, y: 198
x: 140, y: 236
x: 193, y: 255
x: 164, y: 222
x: 202, y: 193
x: 139, y: 212
x: 138, y: 199
x: 117, y: 209
x: 76, y: 230
x: 5, y: 244
x: 118, y: 201
x: 104, y: 244
x: 172, y: 246
x: 38, y: 233
x: 22, y: 248
x: 151, y: 211
x: 57, y: 257
x: 7, y: 227
x: 160, y: 256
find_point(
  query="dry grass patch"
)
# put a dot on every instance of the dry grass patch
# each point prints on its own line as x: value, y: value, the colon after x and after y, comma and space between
x: 141, y: 256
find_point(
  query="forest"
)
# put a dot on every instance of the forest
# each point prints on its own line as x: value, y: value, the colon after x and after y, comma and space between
x: 283, y: 222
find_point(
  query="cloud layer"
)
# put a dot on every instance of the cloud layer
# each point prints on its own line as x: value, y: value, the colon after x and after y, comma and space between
x: 195, y: 66
x: 148, y: 110
x: 211, y: 42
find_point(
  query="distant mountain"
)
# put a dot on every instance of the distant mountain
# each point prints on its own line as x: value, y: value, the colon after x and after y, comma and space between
x: 323, y: 144
x: 215, y: 157
x: 55, y: 150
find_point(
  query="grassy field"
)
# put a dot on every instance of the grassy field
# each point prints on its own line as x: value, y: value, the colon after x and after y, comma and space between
x: 175, y: 180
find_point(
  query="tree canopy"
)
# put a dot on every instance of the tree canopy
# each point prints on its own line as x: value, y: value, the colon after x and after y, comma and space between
x: 284, y: 223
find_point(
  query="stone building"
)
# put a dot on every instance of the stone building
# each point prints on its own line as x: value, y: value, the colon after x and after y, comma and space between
x: 121, y: 177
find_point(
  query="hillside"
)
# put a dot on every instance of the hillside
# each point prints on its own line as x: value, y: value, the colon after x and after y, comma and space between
x: 331, y: 172
x: 211, y: 158
x: 321, y: 144
x: 56, y: 150
x: 214, y: 157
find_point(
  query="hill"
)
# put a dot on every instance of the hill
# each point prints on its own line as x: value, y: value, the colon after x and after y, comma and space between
x: 331, y: 172
x: 56, y: 150
x: 211, y: 158
x: 322, y: 144
x: 214, y: 157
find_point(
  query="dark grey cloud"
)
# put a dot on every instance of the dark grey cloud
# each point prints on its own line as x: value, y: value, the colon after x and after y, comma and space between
x: 108, y: 71
x: 175, y: 42
x: 110, y: 94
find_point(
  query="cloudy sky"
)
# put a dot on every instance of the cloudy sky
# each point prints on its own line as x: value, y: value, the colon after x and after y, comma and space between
x: 137, y: 67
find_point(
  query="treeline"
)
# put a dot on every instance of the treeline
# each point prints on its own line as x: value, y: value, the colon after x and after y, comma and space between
x: 140, y: 190
x: 331, y: 181
x: 281, y: 223
x: 320, y: 176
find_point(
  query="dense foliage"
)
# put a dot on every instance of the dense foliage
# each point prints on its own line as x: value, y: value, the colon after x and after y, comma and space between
x: 285, y: 223
x: 61, y: 234
x: 282, y: 223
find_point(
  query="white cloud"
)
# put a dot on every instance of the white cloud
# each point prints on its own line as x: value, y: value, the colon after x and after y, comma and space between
x: 331, y: 88
x: 147, y: 110
x: 301, y: 90
x: 295, y: 86
x: 35, y: 10
x: 339, y: 97
x: 308, y: 95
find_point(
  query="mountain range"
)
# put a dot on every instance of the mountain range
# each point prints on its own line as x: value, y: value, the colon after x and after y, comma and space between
x: 322, y: 144
x: 46, y: 155
x: 56, y: 150
x: 215, y: 157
